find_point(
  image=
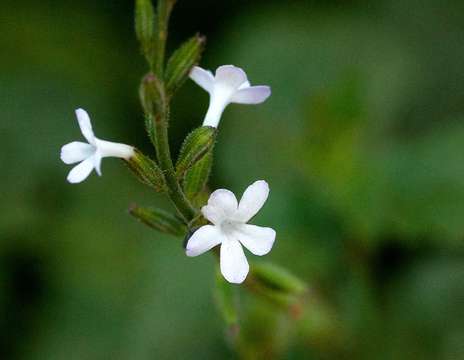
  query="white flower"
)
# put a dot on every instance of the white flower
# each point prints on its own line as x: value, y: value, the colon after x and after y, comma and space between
x: 90, y: 154
x: 230, y: 85
x: 230, y: 229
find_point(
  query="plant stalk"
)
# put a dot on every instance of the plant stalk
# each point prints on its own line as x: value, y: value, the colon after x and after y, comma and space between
x: 161, y: 120
x: 163, y: 153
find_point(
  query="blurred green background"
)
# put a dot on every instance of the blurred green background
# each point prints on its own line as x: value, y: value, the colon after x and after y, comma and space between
x: 361, y: 142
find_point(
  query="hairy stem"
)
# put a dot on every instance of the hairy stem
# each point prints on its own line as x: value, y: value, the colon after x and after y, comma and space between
x: 161, y: 120
x: 165, y: 162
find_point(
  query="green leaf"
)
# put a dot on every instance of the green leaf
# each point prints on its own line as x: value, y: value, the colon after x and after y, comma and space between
x: 181, y: 62
x: 145, y: 19
x: 197, y: 176
x: 159, y: 220
x: 147, y: 171
x: 196, y: 145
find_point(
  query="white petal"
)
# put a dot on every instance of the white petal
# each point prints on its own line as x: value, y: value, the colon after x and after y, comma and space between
x: 257, y: 239
x: 224, y: 200
x: 202, y: 77
x: 81, y: 171
x: 251, y: 95
x: 213, y: 214
x: 245, y: 85
x: 97, y: 162
x: 234, y: 265
x: 252, y: 200
x: 85, y: 125
x: 76, y: 151
x: 204, y: 239
x: 231, y: 76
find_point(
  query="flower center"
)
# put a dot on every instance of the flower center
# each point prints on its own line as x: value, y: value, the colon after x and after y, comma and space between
x: 228, y: 226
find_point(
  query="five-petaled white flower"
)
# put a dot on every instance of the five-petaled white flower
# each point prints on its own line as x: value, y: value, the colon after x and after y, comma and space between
x: 230, y: 229
x: 230, y: 85
x: 90, y: 154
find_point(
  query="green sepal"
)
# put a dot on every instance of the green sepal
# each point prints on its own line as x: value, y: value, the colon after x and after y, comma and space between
x: 225, y: 299
x: 198, y: 201
x: 147, y: 171
x: 145, y: 19
x: 150, y: 128
x: 196, y: 145
x: 151, y: 94
x: 278, y: 279
x: 181, y: 62
x: 159, y: 220
x: 165, y: 8
x: 196, y: 177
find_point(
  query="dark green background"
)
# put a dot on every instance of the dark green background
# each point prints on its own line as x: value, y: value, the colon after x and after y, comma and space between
x: 361, y: 142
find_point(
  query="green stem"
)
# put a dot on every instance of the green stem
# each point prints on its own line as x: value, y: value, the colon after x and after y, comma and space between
x: 165, y: 162
x: 161, y: 119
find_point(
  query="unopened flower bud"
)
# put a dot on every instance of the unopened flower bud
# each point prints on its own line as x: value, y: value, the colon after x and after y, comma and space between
x: 145, y: 28
x: 278, y: 279
x: 196, y: 145
x: 159, y: 220
x: 151, y: 94
x: 146, y: 170
x: 182, y: 61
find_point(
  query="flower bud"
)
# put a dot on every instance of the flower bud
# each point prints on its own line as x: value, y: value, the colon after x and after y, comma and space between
x: 278, y: 279
x: 196, y: 145
x: 159, y: 220
x: 146, y: 171
x: 145, y: 28
x: 181, y: 62
x: 278, y: 286
x: 151, y: 94
x: 196, y: 177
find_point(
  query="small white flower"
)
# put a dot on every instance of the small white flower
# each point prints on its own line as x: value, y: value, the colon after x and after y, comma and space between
x: 230, y: 85
x: 230, y: 229
x: 90, y: 154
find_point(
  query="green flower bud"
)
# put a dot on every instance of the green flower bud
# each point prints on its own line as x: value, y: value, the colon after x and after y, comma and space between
x: 145, y: 19
x: 151, y: 94
x: 196, y: 145
x: 159, y: 220
x: 146, y: 171
x: 196, y: 177
x: 182, y: 61
x: 278, y: 279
